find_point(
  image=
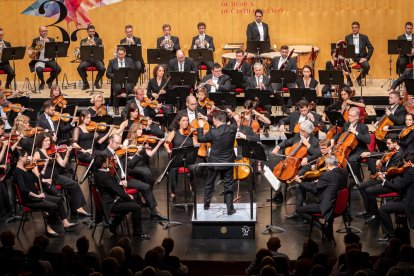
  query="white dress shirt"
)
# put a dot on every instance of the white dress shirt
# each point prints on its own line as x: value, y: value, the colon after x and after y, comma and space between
x: 302, y: 118
x: 281, y: 61
x: 409, y: 37
x: 52, y: 125
x: 212, y: 87
x: 356, y: 43
x: 261, y: 30
x: 191, y: 115
x: 181, y: 66
x: 259, y: 80
x: 3, y: 117
x: 140, y: 108
x: 121, y: 63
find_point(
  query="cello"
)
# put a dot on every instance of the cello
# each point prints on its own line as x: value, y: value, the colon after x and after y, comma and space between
x: 346, y: 143
x: 203, y: 150
x: 383, y: 121
x: 288, y: 168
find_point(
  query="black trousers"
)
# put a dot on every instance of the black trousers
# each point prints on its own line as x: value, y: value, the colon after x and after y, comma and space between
x: 99, y: 66
x: 402, y: 63
x: 53, y: 75
x: 84, y: 157
x: 301, y: 193
x: 10, y: 73
x: 173, y: 177
x: 385, y: 212
x: 75, y: 195
x: 369, y: 191
x: 226, y: 176
x: 52, y: 205
x: 365, y: 67
x: 354, y: 161
x: 144, y: 174
x: 146, y: 191
x: 117, y: 90
x: 122, y: 209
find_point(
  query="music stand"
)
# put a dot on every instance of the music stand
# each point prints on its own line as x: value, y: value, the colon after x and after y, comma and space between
x: 158, y: 56
x: 108, y: 119
x: 282, y: 76
x: 349, y: 52
x: 255, y: 94
x: 13, y: 53
x: 258, y: 47
x: 134, y: 52
x: 396, y: 47
x: 126, y: 75
x: 409, y: 86
x: 236, y: 77
x: 183, y: 78
x: 335, y: 118
x: 92, y: 53
x: 177, y: 96
x: 224, y: 99
x: 201, y: 55
x: 297, y: 94
x: 331, y: 77
x: 55, y: 50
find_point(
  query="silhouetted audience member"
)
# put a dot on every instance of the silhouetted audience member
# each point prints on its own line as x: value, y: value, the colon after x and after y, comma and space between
x: 268, y: 270
x: 109, y: 267
x: 89, y: 259
x: 254, y: 267
x: 305, y: 260
x: 56, y: 259
x: 406, y: 258
x: 134, y: 262
x: 282, y: 262
x: 118, y: 254
x: 172, y: 263
x: 319, y: 270
x: 389, y: 257
x: 354, y: 263
x: 35, y: 264
x: 10, y: 258
x: 153, y: 258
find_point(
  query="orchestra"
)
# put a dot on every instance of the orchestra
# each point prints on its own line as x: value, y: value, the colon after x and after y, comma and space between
x: 314, y: 152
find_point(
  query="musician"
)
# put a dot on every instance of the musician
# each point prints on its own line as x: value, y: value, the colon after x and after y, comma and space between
x: 249, y: 114
x: 203, y: 41
x: 234, y: 64
x: 396, y: 112
x: 182, y: 64
x: 244, y: 131
x: 87, y: 141
x: 191, y: 111
x: 22, y: 123
x: 372, y: 188
x: 258, y: 80
x: 307, y: 81
x: 180, y: 136
x: 41, y: 62
x: 344, y: 102
x: 330, y: 66
x: 33, y: 198
x: 98, y: 108
x: 406, y: 141
x: 4, y: 116
x: 5, y: 65
x: 168, y: 42
x: 115, y: 142
x: 115, y: 200
x: 91, y: 40
x: 222, y: 141
x: 49, y: 175
x: 363, y: 50
x: 362, y: 135
x: 258, y: 30
x: 277, y: 62
x: 217, y: 81
x: 407, y: 75
x: 158, y: 85
x: 304, y: 114
x: 114, y: 65
x: 130, y: 39
x: 55, y: 92
x: 403, y: 59
x: 139, y: 163
x: 404, y: 188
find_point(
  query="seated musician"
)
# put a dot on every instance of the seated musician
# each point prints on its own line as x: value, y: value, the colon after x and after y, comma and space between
x: 202, y: 100
x: 217, y: 81
x: 49, y: 175
x: 344, y: 103
x: 396, y: 112
x: 98, y: 108
x: 306, y: 137
x: 372, y: 188
x: 192, y: 112
x: 115, y: 142
x: 363, y: 50
x: 86, y: 141
x: 304, y: 114
x: 258, y: 80
x: 167, y: 41
x: 406, y: 136
x: 4, y: 117
x: 91, y: 40
x: 130, y: 39
x: 182, y: 64
x: 139, y: 100
x: 115, y: 200
x: 158, y: 85
x: 404, y: 59
x: 4, y: 147
x: 139, y: 163
x: 240, y: 65
x: 244, y: 131
x: 407, y: 75
x: 250, y: 116
x: 40, y: 62
x: 56, y: 92
x: 115, y: 64
x: 360, y: 130
x: 22, y: 123
x: 34, y: 198
x: 307, y: 81
x: 5, y: 64
x: 330, y: 65
x: 326, y: 190
x: 277, y: 63
x: 402, y: 185
x: 203, y: 41
x: 180, y: 136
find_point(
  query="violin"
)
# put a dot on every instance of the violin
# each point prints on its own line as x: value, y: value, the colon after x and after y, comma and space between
x: 33, y: 164
x: 394, y: 171
x: 130, y: 150
x: 146, y: 102
x: 31, y: 131
x: 9, y: 93
x: 189, y: 131
x: 206, y: 103
x: 385, y: 158
x: 94, y: 126
x: 405, y: 131
x: 6, y: 136
x: 64, y: 117
x: 346, y: 143
x: 288, y: 168
x: 60, y: 101
x: 15, y: 108
x: 148, y: 139
x: 101, y: 111
x: 313, y: 174
x: 53, y: 150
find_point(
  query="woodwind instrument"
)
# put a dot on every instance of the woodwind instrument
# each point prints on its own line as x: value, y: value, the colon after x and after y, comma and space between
x: 284, y: 64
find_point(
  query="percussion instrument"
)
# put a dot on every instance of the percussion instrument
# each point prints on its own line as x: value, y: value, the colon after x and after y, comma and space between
x: 304, y: 54
x: 225, y: 58
x: 269, y: 56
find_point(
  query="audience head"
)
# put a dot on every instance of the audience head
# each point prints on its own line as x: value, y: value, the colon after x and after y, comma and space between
x: 82, y: 244
x: 42, y: 242
x: 109, y: 266
x: 273, y: 244
x: 7, y: 238
x: 118, y: 254
x: 168, y: 244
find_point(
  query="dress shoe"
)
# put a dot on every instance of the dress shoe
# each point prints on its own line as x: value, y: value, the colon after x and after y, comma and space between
x: 292, y: 216
x: 42, y: 86
x: 359, y: 81
x: 49, y: 84
x: 142, y: 236
x: 98, y: 85
x: 85, y: 86
x: 372, y: 219
x: 362, y: 214
x: 7, y: 85
x: 231, y: 212
x: 206, y: 206
x: 385, y: 238
x: 158, y: 216
x: 52, y: 235
x: 81, y: 214
x: 70, y: 226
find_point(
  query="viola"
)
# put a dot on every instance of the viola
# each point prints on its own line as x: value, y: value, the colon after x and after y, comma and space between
x: 15, y: 108
x: 31, y: 131
x: 60, y: 101
x: 146, y: 102
x: 385, y: 158
x: 101, y: 111
x: 206, y: 103
x: 33, y: 164
x: 53, y: 150
x: 94, y: 126
x: 314, y: 174
x: 405, y: 131
x: 288, y: 168
x: 130, y: 150
x: 9, y: 136
x: 394, y: 171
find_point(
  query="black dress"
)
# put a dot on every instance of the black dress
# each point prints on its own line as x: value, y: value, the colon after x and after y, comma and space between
x: 153, y: 87
x: 312, y: 85
x: 85, y: 140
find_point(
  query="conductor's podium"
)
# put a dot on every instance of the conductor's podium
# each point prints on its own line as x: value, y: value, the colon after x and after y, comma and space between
x: 216, y: 224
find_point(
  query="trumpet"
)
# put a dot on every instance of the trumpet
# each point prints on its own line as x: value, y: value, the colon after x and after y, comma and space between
x: 167, y: 44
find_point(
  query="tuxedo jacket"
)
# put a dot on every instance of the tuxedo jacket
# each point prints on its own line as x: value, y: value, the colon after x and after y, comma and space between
x: 403, y: 37
x: 224, y: 83
x: 207, y: 38
x: 251, y: 82
x: 293, y: 119
x: 189, y: 65
x: 365, y: 47
x: 246, y: 68
x: 113, y: 66
x: 252, y: 32
x: 407, y: 142
x: 174, y: 39
x: 313, y: 150
x: 406, y: 183
x: 8, y: 45
x: 398, y: 118
x: 63, y: 128
x: 290, y: 66
x: 34, y: 43
x: 363, y: 135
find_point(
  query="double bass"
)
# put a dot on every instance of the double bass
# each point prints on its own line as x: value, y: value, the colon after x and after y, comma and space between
x: 288, y: 168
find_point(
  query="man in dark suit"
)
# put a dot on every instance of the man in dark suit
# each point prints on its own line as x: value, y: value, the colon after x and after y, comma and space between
x: 182, y: 64
x: 130, y: 39
x: 222, y: 143
x: 396, y: 112
x: 404, y: 59
x: 192, y: 111
x: 203, y: 41
x: 167, y: 41
x: 217, y: 82
x: 277, y: 62
x: 5, y: 65
x: 363, y: 49
x: 405, y: 188
x: 258, y: 80
x: 91, y: 40
x: 234, y: 64
x: 115, y: 200
x: 258, y: 30
x: 114, y: 64
x: 407, y: 75
x: 41, y: 62
x: 362, y: 135
x: 114, y: 142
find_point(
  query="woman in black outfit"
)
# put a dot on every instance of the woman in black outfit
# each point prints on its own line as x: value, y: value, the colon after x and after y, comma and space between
x: 155, y: 84
x: 307, y: 81
x: 33, y: 198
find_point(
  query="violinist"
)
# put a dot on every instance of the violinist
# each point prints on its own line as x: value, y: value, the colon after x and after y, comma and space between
x: 33, y: 198
x: 307, y: 81
x: 372, y: 188
x: 240, y: 65
x: 139, y: 93
x: 85, y: 141
x: 192, y: 112
x: 21, y: 123
x: 55, y: 92
x: 4, y: 117
x: 49, y: 176
x: 98, y: 108
x: 115, y: 142
x: 360, y: 130
x: 217, y: 81
x: 158, y: 85
x: 330, y: 66
x: 202, y: 100
x: 406, y: 136
x: 4, y: 144
x: 139, y: 163
x: 180, y: 136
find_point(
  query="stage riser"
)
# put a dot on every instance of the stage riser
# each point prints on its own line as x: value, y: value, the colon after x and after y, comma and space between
x: 222, y: 230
